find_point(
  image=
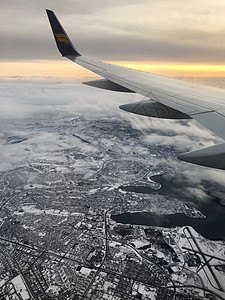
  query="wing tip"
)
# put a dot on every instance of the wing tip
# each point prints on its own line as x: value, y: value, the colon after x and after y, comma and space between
x: 65, y: 46
x: 49, y: 11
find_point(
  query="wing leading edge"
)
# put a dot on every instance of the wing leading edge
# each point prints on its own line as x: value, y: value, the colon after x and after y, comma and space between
x: 168, y: 98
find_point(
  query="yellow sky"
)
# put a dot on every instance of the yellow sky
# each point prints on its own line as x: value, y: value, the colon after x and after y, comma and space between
x: 69, y: 69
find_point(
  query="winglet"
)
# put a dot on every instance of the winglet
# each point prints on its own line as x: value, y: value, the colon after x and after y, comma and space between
x: 63, y: 42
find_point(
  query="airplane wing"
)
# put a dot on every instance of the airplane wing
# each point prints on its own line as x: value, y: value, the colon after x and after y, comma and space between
x: 168, y: 98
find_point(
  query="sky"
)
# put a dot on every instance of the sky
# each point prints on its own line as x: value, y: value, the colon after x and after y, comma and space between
x: 165, y: 36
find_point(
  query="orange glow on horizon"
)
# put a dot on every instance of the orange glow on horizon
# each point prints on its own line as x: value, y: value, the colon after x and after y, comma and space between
x: 177, y: 69
x: 68, y: 69
x: 43, y: 69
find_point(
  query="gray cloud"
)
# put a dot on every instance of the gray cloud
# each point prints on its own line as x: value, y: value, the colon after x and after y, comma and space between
x: 111, y: 30
x: 111, y: 47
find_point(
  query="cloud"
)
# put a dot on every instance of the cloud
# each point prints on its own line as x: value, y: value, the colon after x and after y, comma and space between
x: 31, y: 109
x: 28, y: 106
x: 21, y: 99
x: 182, y: 135
x: 144, y: 30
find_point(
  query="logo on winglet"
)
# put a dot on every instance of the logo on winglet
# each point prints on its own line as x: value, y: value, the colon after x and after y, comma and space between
x: 61, y: 38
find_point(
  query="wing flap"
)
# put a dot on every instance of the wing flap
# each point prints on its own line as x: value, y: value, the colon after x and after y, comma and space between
x: 213, y: 121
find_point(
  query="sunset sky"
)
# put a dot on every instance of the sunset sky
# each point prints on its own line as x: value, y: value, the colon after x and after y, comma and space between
x: 170, y: 37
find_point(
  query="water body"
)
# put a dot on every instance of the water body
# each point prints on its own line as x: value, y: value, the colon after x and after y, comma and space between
x: 178, y: 186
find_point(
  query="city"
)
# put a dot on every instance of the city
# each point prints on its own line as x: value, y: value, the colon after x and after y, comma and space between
x: 58, y: 239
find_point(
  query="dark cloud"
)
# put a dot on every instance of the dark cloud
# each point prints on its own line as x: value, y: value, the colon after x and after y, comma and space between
x: 110, y: 47
x: 111, y: 30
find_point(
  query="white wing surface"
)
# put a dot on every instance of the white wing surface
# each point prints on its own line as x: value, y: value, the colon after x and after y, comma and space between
x: 170, y: 98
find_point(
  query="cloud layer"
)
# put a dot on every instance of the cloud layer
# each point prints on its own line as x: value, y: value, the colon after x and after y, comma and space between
x: 188, y: 31
x: 25, y: 101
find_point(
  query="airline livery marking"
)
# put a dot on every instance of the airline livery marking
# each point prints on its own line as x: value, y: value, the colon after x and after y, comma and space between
x: 61, y: 38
